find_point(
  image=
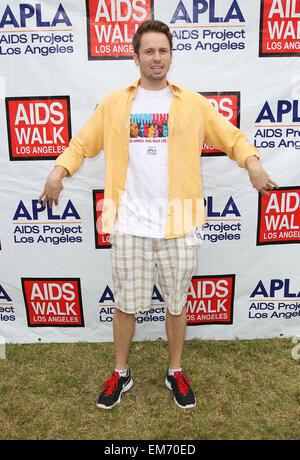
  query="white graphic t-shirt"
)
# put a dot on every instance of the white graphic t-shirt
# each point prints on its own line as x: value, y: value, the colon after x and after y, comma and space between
x: 142, y: 209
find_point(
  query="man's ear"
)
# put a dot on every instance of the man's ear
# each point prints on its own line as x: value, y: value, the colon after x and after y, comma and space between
x: 136, y: 60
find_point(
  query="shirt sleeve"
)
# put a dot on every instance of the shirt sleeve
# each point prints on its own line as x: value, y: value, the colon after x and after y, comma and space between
x: 224, y: 136
x: 87, y: 143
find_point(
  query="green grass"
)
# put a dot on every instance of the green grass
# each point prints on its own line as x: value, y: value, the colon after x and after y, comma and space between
x: 245, y: 389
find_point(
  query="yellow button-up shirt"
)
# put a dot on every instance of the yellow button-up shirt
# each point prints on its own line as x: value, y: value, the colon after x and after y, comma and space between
x: 192, y: 121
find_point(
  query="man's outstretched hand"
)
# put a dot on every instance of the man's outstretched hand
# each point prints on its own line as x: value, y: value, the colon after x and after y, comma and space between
x: 258, y: 176
x: 53, y: 186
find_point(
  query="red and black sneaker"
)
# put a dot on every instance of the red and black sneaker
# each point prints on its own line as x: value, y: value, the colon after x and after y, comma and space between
x: 183, y: 394
x: 113, y: 389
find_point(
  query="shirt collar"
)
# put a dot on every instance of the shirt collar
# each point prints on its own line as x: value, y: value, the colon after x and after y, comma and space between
x: 132, y: 88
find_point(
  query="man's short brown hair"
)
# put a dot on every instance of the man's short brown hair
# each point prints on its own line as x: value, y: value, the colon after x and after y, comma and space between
x: 151, y: 25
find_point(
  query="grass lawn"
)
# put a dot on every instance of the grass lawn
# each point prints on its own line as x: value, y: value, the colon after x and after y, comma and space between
x: 245, y: 389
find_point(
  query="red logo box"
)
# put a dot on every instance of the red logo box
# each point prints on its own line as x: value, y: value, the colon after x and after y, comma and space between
x: 39, y: 128
x: 210, y: 300
x: 101, y: 239
x: 112, y: 24
x: 53, y: 302
x: 279, y: 28
x: 228, y: 105
x: 279, y: 216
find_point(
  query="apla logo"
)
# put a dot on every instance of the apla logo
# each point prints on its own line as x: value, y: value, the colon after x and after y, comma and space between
x: 273, y: 134
x: 265, y: 303
x: 7, y: 310
x: 33, y: 212
x: 29, y: 15
x: 285, y: 110
x: 223, y: 220
x: 156, y: 312
x: 277, y: 285
x: 210, y: 37
x: 230, y: 208
x: 64, y: 227
x: 190, y: 14
x: 45, y: 29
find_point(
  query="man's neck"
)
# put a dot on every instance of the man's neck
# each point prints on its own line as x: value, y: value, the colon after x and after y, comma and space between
x: 153, y: 86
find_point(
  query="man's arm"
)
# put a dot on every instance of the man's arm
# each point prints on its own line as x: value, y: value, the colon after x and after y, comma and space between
x: 224, y: 136
x: 53, y: 186
x: 258, y: 176
x: 87, y: 143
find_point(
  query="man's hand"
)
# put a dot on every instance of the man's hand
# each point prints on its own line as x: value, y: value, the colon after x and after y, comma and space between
x: 53, y: 186
x: 258, y: 176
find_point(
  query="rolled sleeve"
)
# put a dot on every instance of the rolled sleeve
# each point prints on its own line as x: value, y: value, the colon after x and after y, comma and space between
x: 87, y: 143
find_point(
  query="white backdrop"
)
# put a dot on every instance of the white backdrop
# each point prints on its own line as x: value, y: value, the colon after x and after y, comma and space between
x: 58, y: 59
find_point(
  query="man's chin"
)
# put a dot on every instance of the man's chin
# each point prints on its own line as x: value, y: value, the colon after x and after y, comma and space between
x: 158, y: 77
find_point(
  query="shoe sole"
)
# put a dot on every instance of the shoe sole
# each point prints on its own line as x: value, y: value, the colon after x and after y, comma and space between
x: 125, y: 388
x: 188, y: 406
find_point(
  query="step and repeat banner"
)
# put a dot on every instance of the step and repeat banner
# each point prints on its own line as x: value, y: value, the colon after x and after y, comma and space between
x: 59, y: 58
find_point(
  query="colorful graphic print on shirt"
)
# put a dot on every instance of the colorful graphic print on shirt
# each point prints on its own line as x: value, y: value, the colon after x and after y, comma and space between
x: 148, y: 126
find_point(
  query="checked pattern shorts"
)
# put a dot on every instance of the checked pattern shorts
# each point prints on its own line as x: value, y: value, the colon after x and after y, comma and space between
x: 134, y: 262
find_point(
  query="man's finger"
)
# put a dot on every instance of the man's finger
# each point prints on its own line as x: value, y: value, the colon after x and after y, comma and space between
x: 45, y: 201
x: 264, y: 192
x: 41, y: 197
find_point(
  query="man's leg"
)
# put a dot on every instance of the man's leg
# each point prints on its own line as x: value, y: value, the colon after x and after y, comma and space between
x: 176, y: 380
x: 176, y: 260
x: 133, y: 275
x: 124, y: 326
x: 120, y: 380
x: 175, y: 329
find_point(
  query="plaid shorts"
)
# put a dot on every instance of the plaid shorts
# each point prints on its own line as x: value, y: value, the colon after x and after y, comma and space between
x: 134, y: 260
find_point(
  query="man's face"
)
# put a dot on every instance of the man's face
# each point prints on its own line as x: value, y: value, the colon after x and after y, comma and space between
x: 154, y: 60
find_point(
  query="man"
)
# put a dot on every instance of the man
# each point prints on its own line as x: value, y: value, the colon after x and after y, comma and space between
x: 153, y: 196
